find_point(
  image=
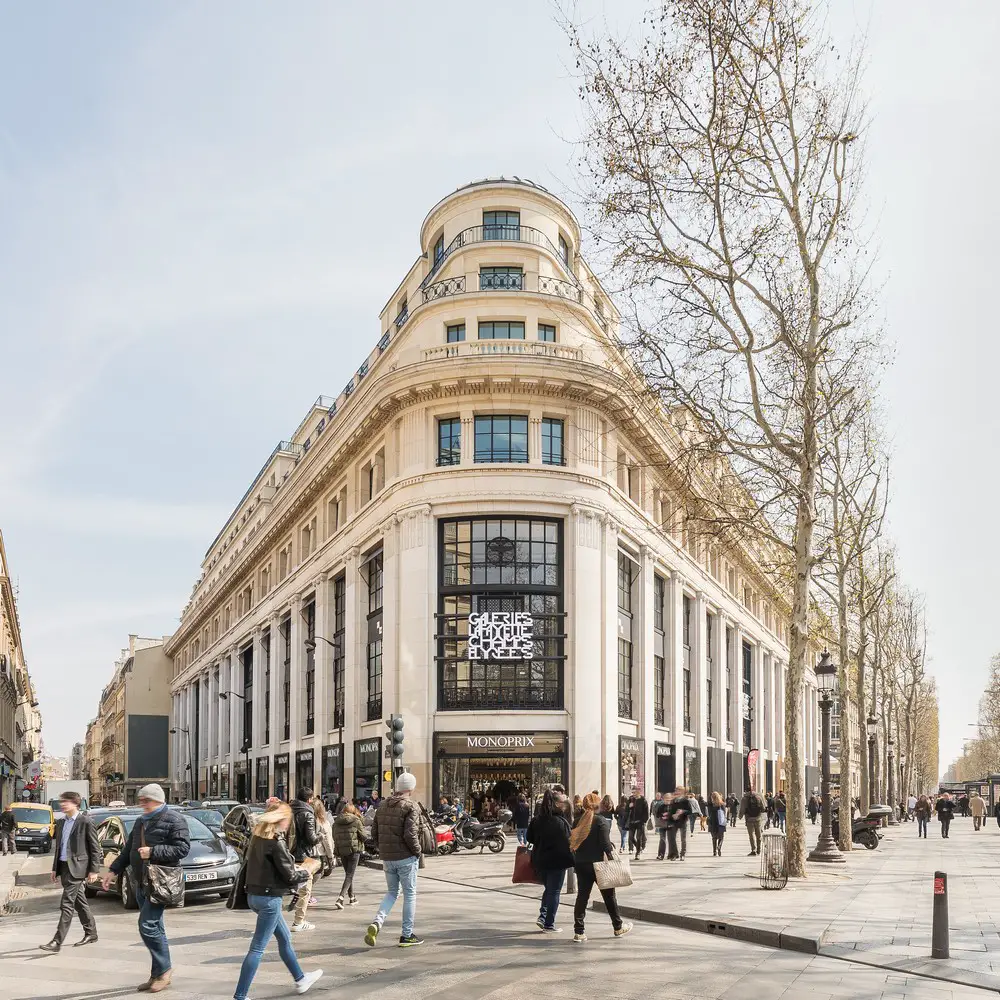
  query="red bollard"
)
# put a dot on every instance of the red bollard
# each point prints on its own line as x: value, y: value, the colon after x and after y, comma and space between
x: 939, y: 932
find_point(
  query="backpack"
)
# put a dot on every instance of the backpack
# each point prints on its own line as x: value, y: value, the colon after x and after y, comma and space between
x: 425, y: 831
x: 753, y: 808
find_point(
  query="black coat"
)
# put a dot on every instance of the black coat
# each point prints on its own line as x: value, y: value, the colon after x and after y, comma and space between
x: 679, y: 812
x: 306, y: 834
x: 549, y: 839
x: 166, y: 833
x: 712, y: 814
x: 83, y: 854
x: 271, y: 868
x: 522, y: 815
x: 638, y: 811
x: 597, y: 846
x: 945, y: 808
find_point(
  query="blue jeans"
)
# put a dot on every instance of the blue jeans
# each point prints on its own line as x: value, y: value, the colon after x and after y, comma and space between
x: 270, y: 923
x: 153, y: 935
x: 623, y: 830
x: 522, y: 835
x: 693, y: 820
x: 553, y: 882
x: 400, y: 874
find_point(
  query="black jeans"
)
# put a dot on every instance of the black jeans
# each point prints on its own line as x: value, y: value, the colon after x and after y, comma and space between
x: 637, y: 837
x: 718, y: 835
x: 350, y: 867
x: 922, y: 827
x: 945, y: 823
x: 585, y: 882
x: 672, y: 832
x: 74, y: 900
x: 662, y: 849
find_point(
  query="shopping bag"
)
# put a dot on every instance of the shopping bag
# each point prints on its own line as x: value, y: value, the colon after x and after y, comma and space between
x: 524, y: 871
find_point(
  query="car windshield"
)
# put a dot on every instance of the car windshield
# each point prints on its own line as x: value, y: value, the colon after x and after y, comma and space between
x: 197, y: 830
x: 207, y: 816
x: 29, y: 814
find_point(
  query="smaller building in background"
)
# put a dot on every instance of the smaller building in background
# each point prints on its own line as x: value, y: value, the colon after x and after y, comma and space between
x: 76, y: 770
x: 129, y: 741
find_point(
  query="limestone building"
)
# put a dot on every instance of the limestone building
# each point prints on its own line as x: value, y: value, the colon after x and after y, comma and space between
x: 476, y: 534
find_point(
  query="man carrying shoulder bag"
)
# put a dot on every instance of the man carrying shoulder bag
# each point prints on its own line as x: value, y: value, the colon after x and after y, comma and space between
x: 77, y: 860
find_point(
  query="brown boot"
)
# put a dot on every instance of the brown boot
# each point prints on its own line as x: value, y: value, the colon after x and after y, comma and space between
x: 160, y: 983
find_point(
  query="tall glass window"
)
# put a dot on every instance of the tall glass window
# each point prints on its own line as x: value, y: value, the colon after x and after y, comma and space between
x: 339, y: 639
x: 501, y: 566
x: 552, y: 442
x: 449, y: 441
x: 547, y: 333
x: 501, y: 225
x: 709, y: 693
x: 286, y: 677
x: 503, y: 279
x: 247, y: 661
x: 265, y: 648
x: 747, y: 696
x: 564, y: 250
x: 659, y: 687
x: 501, y: 439
x: 626, y: 577
x: 729, y: 684
x: 625, y: 679
x: 501, y: 330
x: 374, y: 650
x: 686, y: 678
x: 455, y: 333
x: 310, y: 617
x: 439, y: 250
x: 659, y: 644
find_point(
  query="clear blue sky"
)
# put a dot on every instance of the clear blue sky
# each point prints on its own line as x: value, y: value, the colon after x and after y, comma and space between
x: 204, y: 206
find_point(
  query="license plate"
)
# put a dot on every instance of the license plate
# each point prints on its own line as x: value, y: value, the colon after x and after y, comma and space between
x: 22, y: 840
x: 201, y: 876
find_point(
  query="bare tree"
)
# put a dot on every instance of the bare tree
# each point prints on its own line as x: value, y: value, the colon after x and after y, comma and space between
x: 719, y: 166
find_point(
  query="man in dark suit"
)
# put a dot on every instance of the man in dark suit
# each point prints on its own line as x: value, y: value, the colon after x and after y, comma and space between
x: 77, y: 860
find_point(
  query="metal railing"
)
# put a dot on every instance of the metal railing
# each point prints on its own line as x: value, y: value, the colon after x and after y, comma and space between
x: 624, y: 707
x: 556, y: 286
x: 448, y: 286
x: 510, y: 281
x: 374, y: 712
x: 493, y: 234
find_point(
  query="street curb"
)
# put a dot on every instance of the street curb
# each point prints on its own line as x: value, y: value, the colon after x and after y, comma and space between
x: 720, y: 928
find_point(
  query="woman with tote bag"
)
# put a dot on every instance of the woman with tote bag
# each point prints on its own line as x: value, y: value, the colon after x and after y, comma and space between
x: 591, y: 842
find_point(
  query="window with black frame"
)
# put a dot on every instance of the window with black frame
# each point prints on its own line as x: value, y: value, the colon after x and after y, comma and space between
x: 265, y: 648
x: 286, y: 677
x: 501, y: 580
x: 374, y: 577
x: 339, y: 638
x: 310, y: 647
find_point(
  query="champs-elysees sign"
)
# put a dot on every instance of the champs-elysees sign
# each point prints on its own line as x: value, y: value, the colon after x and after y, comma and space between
x: 501, y: 635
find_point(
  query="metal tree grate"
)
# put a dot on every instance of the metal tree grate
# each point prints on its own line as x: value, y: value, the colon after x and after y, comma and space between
x: 773, y: 860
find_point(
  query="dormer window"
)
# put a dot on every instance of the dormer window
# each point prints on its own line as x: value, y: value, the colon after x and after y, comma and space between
x: 501, y: 226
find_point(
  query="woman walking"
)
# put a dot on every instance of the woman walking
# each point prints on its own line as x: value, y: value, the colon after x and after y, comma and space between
x: 324, y: 849
x: 621, y: 816
x: 271, y: 873
x: 922, y: 811
x: 349, y: 843
x: 548, y: 834
x: 717, y: 823
x: 590, y: 841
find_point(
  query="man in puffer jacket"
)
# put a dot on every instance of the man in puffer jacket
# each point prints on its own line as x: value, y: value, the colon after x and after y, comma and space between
x: 304, y: 851
x: 396, y: 829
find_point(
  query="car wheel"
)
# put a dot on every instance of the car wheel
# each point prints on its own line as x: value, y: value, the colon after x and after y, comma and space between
x: 127, y: 889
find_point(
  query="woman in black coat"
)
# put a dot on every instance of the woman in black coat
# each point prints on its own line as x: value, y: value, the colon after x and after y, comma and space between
x: 548, y: 834
x: 270, y: 874
x: 591, y: 841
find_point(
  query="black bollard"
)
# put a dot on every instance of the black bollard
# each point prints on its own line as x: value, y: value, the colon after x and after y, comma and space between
x: 939, y: 932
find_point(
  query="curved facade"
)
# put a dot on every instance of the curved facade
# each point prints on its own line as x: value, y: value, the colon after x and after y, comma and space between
x: 480, y: 534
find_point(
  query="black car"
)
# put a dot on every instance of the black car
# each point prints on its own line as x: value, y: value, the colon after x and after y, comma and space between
x: 210, y: 866
x: 212, y: 818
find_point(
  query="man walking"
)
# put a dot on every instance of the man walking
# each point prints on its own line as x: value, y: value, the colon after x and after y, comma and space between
x: 306, y: 839
x: 7, y: 823
x: 638, y: 817
x: 660, y: 807
x: 945, y: 809
x: 752, y: 809
x: 77, y: 860
x: 396, y: 829
x: 159, y: 836
x: 978, y: 809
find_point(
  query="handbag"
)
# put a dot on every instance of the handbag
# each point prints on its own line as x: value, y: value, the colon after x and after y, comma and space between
x: 524, y: 870
x: 613, y: 874
x: 164, y: 886
x: 238, y: 894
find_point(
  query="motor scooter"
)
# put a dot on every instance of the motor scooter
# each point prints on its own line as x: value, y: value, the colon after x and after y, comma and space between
x: 865, y: 830
x: 470, y: 834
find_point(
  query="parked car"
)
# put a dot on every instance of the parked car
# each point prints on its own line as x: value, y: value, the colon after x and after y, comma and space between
x: 219, y: 805
x: 212, y: 818
x: 210, y: 866
x: 34, y: 826
x: 238, y: 825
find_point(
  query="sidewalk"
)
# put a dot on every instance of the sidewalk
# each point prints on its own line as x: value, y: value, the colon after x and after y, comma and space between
x: 9, y: 866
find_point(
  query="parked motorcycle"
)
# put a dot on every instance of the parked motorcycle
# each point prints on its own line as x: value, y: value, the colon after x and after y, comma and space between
x: 865, y: 830
x: 470, y: 834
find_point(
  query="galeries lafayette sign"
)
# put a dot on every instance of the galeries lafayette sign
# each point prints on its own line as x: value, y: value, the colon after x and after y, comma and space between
x: 501, y: 635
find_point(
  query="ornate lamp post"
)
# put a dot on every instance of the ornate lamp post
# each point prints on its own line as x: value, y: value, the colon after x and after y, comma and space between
x: 826, y: 849
x: 891, y: 796
x: 904, y: 791
x: 872, y: 727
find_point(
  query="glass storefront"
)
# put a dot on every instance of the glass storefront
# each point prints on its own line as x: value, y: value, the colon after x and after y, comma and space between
x: 484, y: 770
x: 501, y: 627
x: 241, y: 781
x: 304, y: 771
x: 224, y: 781
x: 281, y: 776
x: 632, y: 766
x: 692, y: 770
x: 332, y: 771
x: 213, y: 782
x: 367, y: 767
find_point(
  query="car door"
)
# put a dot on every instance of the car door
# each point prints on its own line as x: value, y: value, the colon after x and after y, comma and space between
x: 111, y: 839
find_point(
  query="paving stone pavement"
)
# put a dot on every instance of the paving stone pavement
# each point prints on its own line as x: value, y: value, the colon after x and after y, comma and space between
x: 481, y: 944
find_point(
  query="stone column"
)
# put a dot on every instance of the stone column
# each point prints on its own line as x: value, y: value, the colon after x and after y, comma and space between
x: 642, y: 633
x: 324, y: 661
x: 467, y: 444
x: 609, y: 596
x: 719, y: 678
x: 210, y: 709
x: 391, y: 639
x: 758, y: 713
x: 296, y: 715
x: 699, y: 673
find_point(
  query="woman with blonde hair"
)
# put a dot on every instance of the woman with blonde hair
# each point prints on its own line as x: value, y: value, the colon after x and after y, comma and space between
x: 324, y: 849
x: 270, y: 873
x: 590, y: 841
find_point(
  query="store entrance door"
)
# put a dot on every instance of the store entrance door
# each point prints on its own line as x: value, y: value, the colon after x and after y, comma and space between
x: 492, y: 783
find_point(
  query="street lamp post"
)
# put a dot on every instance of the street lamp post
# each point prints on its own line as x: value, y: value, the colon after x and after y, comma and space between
x: 904, y: 791
x: 872, y: 727
x: 187, y: 732
x: 891, y: 795
x: 826, y: 849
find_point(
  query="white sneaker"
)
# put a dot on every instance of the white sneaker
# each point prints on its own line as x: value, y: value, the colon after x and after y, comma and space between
x: 579, y: 938
x: 302, y: 986
x: 304, y: 926
x: 552, y: 930
x: 626, y: 926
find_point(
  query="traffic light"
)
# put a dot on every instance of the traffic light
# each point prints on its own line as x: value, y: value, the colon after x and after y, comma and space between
x: 394, y: 725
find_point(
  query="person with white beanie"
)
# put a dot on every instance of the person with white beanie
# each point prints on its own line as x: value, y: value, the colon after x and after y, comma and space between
x: 396, y: 829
